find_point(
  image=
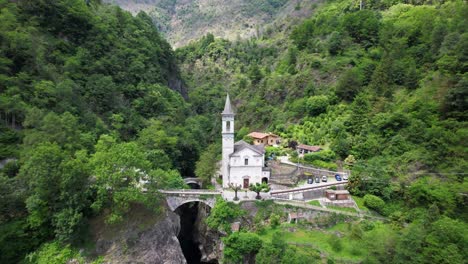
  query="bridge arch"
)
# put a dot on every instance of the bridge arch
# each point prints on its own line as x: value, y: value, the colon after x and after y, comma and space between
x: 194, y: 183
x: 204, y: 201
x: 176, y: 198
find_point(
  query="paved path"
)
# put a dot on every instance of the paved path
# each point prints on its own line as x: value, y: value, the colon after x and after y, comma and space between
x: 285, y: 160
x: 309, y: 187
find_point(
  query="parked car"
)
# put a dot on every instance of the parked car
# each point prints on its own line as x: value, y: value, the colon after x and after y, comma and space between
x: 338, y: 177
x: 345, y: 176
x: 317, y: 179
x: 324, y: 178
x: 310, y: 180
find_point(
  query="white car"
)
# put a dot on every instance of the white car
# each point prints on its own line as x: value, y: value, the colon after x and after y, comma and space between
x: 345, y: 176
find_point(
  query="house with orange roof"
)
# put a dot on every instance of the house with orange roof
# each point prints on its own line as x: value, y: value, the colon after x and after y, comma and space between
x: 304, y: 149
x: 267, y: 139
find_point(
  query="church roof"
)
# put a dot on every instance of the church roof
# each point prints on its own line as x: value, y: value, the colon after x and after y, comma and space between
x: 240, y: 145
x: 227, y: 107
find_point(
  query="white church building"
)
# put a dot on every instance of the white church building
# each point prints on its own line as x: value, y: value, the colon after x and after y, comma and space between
x: 243, y: 164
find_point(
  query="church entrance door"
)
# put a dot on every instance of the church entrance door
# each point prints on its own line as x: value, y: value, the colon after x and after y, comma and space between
x: 246, y: 183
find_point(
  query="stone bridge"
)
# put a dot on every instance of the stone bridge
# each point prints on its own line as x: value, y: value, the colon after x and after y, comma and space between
x: 176, y: 198
x: 194, y: 182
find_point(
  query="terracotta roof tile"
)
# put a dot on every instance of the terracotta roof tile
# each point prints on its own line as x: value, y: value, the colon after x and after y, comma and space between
x: 309, y: 148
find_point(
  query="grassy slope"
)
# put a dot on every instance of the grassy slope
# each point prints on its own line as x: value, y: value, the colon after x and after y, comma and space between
x: 352, y: 249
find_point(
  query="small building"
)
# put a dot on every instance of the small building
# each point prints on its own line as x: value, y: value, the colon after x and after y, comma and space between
x: 294, y: 217
x: 267, y: 139
x: 304, y: 149
x: 235, y: 227
x: 337, y: 195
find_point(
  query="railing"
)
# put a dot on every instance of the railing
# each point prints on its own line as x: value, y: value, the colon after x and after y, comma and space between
x: 190, y: 191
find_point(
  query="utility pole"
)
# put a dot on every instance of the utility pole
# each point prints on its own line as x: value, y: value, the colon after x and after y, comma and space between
x: 360, y: 4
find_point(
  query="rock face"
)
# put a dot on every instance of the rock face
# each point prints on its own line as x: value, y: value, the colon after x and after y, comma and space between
x: 184, y: 20
x: 209, y: 241
x: 144, y: 238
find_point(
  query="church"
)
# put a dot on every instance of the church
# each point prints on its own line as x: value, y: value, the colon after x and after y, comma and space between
x: 243, y: 164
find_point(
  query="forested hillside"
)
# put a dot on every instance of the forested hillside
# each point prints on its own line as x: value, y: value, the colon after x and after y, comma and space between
x: 183, y: 21
x: 85, y: 101
x: 383, y: 90
x: 94, y: 101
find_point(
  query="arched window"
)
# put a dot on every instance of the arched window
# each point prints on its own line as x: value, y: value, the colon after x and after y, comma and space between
x: 246, y: 161
x: 228, y: 126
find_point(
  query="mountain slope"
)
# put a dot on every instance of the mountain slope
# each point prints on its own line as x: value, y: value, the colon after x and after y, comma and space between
x: 182, y: 21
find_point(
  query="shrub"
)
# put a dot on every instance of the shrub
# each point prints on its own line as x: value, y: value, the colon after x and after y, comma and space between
x: 240, y: 245
x: 54, y: 252
x: 274, y: 220
x: 324, y: 155
x: 374, y: 202
x: 11, y: 168
x: 316, y: 105
x: 335, y: 243
x: 223, y: 214
x: 367, y: 225
x: 324, y: 164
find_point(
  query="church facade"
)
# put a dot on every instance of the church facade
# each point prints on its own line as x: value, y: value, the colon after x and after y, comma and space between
x: 242, y: 164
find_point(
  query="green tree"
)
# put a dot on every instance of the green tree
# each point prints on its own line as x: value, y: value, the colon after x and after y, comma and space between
x: 222, y: 214
x: 240, y: 247
x: 349, y: 84
x: 205, y: 167
x: 257, y: 188
x: 362, y: 26
x: 316, y: 105
x: 59, y: 190
x: 120, y: 169
x: 335, y: 43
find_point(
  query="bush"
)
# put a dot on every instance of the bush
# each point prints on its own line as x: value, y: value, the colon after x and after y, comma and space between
x: 222, y: 214
x: 324, y: 164
x: 316, y: 105
x: 335, y: 243
x: 324, y: 155
x: 239, y: 246
x: 374, y: 202
x: 274, y: 151
x: 11, y: 169
x: 274, y: 220
x: 54, y: 252
x: 367, y: 225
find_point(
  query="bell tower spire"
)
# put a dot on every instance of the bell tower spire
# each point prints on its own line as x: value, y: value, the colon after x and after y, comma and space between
x: 227, y: 117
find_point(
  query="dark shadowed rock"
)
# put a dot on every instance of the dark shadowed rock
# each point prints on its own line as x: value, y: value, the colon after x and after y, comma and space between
x: 143, y: 237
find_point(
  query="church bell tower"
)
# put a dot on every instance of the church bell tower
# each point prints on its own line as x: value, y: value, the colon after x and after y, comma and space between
x: 228, y: 140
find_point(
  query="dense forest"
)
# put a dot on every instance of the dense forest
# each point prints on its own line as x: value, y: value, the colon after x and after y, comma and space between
x: 84, y: 86
x: 93, y: 101
x: 383, y: 90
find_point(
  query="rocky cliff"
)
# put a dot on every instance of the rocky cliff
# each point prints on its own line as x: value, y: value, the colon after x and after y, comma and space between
x: 184, y: 20
x: 144, y: 237
x: 209, y: 240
